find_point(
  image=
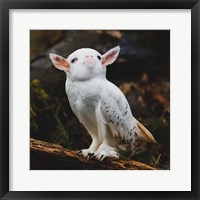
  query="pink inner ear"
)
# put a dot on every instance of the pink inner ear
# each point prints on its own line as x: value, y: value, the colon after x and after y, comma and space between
x: 109, y: 57
x: 57, y: 58
x: 64, y: 63
x: 61, y: 62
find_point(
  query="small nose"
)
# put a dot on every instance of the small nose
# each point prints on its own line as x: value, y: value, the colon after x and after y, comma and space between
x: 89, y: 56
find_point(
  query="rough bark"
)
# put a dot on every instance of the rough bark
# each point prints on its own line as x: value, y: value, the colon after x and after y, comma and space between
x: 48, y: 156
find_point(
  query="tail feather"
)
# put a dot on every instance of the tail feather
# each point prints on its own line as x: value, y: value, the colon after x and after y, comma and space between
x: 148, y: 137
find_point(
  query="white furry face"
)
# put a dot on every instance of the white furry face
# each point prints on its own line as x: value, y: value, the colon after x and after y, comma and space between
x: 84, y: 64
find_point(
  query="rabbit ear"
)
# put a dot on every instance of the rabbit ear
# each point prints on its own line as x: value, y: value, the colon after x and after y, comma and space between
x: 59, y: 62
x: 110, y: 56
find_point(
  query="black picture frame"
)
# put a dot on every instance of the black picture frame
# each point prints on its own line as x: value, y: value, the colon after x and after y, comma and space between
x: 5, y: 5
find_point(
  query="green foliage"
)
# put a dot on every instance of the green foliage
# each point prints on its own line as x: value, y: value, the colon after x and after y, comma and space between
x: 147, y: 156
x: 37, y: 102
x: 62, y: 135
x: 160, y: 130
x: 46, y: 116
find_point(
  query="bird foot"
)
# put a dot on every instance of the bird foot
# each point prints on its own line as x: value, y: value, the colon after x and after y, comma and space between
x: 87, y: 153
x: 105, y: 151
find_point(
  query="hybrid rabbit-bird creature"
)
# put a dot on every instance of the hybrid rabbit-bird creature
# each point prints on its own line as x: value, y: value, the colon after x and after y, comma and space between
x: 98, y: 104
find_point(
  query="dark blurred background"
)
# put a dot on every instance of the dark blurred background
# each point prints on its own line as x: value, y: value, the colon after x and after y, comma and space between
x: 142, y: 72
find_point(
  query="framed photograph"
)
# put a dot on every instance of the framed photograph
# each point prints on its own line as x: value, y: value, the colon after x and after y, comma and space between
x: 99, y: 99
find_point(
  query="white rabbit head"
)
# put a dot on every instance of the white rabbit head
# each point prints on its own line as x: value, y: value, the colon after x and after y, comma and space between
x: 85, y: 63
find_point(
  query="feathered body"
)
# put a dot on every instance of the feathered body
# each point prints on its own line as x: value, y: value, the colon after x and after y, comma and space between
x: 98, y: 104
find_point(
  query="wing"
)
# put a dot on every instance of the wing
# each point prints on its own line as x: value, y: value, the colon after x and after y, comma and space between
x: 118, y: 116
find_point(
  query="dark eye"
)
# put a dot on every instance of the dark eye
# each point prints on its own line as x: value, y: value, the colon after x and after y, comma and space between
x: 99, y: 57
x: 73, y: 60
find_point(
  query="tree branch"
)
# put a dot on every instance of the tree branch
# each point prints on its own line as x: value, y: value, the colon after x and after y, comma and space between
x: 48, y: 156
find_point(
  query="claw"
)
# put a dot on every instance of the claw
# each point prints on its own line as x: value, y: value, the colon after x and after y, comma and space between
x: 90, y: 155
x: 79, y: 152
x: 101, y: 158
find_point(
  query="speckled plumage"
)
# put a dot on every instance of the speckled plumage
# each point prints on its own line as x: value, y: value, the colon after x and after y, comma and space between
x: 98, y: 104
